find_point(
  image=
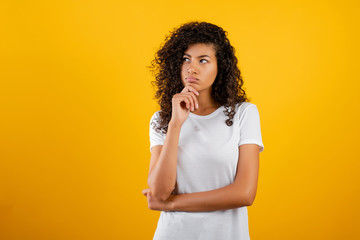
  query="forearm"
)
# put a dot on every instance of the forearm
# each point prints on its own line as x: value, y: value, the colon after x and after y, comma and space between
x: 228, y: 197
x: 162, y: 178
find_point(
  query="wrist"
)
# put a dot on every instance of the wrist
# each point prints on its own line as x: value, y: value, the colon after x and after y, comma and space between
x: 170, y: 204
x: 175, y: 125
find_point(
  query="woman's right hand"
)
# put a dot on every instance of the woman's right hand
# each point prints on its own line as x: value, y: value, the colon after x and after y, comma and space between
x: 182, y: 104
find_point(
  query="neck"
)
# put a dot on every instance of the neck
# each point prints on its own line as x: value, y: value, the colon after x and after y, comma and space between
x: 205, y: 101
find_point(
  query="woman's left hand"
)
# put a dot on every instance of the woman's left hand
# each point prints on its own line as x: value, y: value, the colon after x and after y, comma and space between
x: 154, y: 204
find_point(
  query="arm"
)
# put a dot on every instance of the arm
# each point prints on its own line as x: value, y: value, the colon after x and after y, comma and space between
x: 162, y: 173
x: 163, y: 162
x: 240, y: 193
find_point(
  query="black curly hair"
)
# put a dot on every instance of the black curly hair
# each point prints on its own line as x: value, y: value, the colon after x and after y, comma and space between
x: 166, y: 66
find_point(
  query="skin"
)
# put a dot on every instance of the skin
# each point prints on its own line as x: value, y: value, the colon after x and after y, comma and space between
x: 196, y: 97
x: 199, y: 61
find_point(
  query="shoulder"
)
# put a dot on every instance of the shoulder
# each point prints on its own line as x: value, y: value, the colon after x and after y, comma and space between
x: 156, y: 116
x: 243, y: 107
x: 155, y: 121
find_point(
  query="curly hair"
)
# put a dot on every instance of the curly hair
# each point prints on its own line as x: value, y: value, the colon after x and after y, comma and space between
x: 166, y: 67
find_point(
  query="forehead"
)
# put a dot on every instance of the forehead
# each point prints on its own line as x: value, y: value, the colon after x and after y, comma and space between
x: 199, y: 49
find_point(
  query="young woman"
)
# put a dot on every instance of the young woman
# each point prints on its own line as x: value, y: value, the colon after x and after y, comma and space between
x: 205, y: 141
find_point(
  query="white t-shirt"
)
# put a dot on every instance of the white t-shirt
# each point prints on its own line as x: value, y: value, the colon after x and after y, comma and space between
x: 208, y: 153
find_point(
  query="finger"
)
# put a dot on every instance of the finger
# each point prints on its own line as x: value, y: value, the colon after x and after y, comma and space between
x: 191, y: 100
x: 194, y: 90
x: 190, y: 89
x: 146, y: 191
x: 194, y: 99
x: 179, y: 99
x: 185, y: 89
x: 187, y: 102
x: 183, y: 98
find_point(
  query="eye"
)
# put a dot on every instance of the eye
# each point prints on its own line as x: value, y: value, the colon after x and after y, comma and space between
x: 204, y: 60
x: 185, y: 58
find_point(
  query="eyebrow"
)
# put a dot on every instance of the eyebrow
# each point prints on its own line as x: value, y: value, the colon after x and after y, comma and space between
x: 198, y: 56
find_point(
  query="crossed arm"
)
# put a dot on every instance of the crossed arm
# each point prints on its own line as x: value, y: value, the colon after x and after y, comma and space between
x: 240, y: 193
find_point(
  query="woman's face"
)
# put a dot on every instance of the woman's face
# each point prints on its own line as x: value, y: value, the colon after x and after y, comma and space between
x: 199, y: 66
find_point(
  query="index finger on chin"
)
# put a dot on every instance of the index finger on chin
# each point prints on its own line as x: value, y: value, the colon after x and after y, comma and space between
x: 189, y: 88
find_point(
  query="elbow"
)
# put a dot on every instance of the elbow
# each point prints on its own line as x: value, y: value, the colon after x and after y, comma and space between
x: 249, y: 199
x: 246, y: 199
x: 162, y: 197
x: 158, y: 193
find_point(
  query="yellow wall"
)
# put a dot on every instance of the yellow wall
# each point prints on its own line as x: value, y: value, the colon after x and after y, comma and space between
x: 76, y: 101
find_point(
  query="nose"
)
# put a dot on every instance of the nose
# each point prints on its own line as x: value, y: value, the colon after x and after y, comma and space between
x: 192, y: 68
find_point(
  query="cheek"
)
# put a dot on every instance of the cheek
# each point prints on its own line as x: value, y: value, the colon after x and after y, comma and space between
x: 182, y: 72
x: 214, y: 73
x: 182, y: 76
x: 216, y: 69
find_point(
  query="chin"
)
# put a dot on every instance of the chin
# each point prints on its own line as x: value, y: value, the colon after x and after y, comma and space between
x: 194, y: 86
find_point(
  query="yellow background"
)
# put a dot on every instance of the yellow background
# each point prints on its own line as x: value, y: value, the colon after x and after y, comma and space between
x: 76, y: 101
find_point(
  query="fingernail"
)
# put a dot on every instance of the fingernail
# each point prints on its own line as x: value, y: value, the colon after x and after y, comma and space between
x: 197, y: 105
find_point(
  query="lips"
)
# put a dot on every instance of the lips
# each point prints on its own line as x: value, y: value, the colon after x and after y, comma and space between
x: 191, y: 79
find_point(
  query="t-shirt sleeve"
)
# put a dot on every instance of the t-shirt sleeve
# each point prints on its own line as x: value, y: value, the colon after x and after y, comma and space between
x: 250, y: 131
x: 156, y: 138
